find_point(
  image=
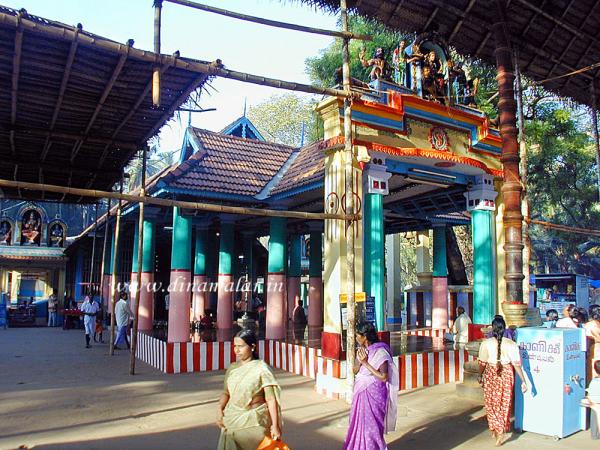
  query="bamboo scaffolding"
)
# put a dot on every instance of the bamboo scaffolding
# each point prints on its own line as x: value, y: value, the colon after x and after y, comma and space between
x: 167, y: 61
x: 91, y: 280
x: 565, y: 228
x: 156, y: 69
x: 271, y: 23
x: 140, y: 256
x: 199, y: 206
x: 103, y: 261
x: 595, y: 137
x: 113, y: 277
x: 349, y: 194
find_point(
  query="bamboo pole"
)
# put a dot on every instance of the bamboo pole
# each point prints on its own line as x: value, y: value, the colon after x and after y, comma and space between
x: 565, y: 228
x: 595, y: 136
x: 102, y: 263
x: 91, y: 280
x: 181, y: 204
x: 167, y: 61
x: 156, y: 69
x: 349, y: 192
x: 271, y: 23
x: 140, y: 255
x: 523, y: 172
x: 113, y: 278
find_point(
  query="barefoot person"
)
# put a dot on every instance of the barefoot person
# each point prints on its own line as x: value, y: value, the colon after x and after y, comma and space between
x: 249, y: 408
x: 374, y: 400
x: 497, y: 358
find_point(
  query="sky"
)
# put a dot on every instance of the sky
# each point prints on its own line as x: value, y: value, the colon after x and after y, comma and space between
x: 242, y: 46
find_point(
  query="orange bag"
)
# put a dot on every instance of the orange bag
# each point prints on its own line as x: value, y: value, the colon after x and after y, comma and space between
x: 271, y: 444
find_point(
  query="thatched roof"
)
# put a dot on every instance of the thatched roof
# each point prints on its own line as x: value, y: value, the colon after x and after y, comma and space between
x: 74, y: 106
x: 553, y: 37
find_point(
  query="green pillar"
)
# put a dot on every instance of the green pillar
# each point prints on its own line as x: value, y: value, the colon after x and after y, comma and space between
x: 295, y: 269
x: 148, y: 254
x: 277, y: 245
x: 482, y: 223
x: 315, y: 258
x: 200, y: 252
x: 134, y: 257
x: 374, y: 249
x: 181, y: 251
x: 440, y: 268
x: 108, y: 256
x: 226, y: 248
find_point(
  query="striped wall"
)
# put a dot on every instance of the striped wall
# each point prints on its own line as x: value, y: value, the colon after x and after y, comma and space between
x: 416, y: 369
x: 427, y: 332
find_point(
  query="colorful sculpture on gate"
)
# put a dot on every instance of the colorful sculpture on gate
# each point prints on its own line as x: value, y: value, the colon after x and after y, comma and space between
x: 31, y: 226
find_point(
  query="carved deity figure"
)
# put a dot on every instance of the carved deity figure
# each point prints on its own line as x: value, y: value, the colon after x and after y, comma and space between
x: 380, y: 70
x: 399, y: 62
x: 5, y: 233
x: 31, y: 229
x: 56, y: 235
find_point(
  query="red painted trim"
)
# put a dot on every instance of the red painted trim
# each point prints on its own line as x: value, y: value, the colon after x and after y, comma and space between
x: 170, y: 368
x: 181, y: 270
x: 425, y: 357
x: 402, y: 370
x: 446, y: 367
x: 196, y: 359
x: 456, y: 366
x: 331, y: 345
x: 232, y: 357
x: 183, y: 357
x: 276, y: 273
x: 225, y: 275
x: 209, y: 356
x: 413, y: 369
x: 221, y: 355
x: 436, y: 367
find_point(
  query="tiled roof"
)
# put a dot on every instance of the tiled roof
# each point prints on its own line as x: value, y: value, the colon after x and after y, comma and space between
x: 228, y: 165
x: 306, y: 169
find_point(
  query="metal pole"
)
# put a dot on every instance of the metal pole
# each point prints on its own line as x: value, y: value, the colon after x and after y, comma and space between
x: 156, y: 72
x: 349, y: 224
x: 113, y: 279
x: 523, y: 171
x: 140, y: 255
x: 595, y: 136
x: 104, y: 245
x: 93, y: 251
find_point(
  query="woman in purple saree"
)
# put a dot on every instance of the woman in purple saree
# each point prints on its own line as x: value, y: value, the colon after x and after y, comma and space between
x: 374, y: 400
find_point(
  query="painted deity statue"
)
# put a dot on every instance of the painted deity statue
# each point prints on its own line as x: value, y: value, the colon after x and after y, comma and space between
x: 380, y: 68
x: 399, y: 62
x: 5, y: 233
x: 31, y: 229
x: 56, y: 235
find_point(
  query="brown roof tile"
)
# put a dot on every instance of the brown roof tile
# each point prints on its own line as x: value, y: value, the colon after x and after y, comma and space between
x: 229, y: 164
x: 309, y: 167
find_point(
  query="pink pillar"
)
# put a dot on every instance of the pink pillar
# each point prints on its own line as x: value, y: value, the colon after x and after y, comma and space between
x: 146, y: 313
x: 439, y: 312
x: 179, y: 306
x: 225, y: 302
x: 293, y: 295
x: 315, y: 302
x: 276, y: 306
x: 199, y: 297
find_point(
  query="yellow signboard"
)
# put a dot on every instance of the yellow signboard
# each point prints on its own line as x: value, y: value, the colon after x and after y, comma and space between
x: 358, y: 297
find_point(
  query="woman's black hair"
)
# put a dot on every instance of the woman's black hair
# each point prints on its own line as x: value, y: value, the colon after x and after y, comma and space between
x: 367, y: 329
x: 249, y: 337
x: 498, y: 327
x: 595, y: 312
x: 572, y: 311
x: 552, y: 315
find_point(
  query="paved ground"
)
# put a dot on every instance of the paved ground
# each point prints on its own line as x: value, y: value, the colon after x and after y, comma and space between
x: 55, y: 394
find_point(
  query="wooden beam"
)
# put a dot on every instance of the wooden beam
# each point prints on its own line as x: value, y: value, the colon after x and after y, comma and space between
x: 482, y: 44
x: 57, y: 167
x: 431, y: 17
x: 130, y: 114
x: 211, y: 207
x: 61, y: 135
x: 461, y: 20
x: 271, y: 23
x: 16, y: 69
x: 396, y: 9
x: 105, y: 93
x: 61, y: 92
x: 166, y: 61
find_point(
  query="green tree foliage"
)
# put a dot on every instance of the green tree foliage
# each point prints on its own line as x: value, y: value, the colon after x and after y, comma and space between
x: 321, y: 68
x: 281, y: 119
x: 156, y: 162
x: 561, y: 187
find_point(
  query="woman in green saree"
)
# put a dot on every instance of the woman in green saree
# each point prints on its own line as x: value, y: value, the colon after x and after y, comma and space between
x: 250, y: 407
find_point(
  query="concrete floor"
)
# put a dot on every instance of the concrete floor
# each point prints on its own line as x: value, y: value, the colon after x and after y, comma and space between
x: 55, y: 394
